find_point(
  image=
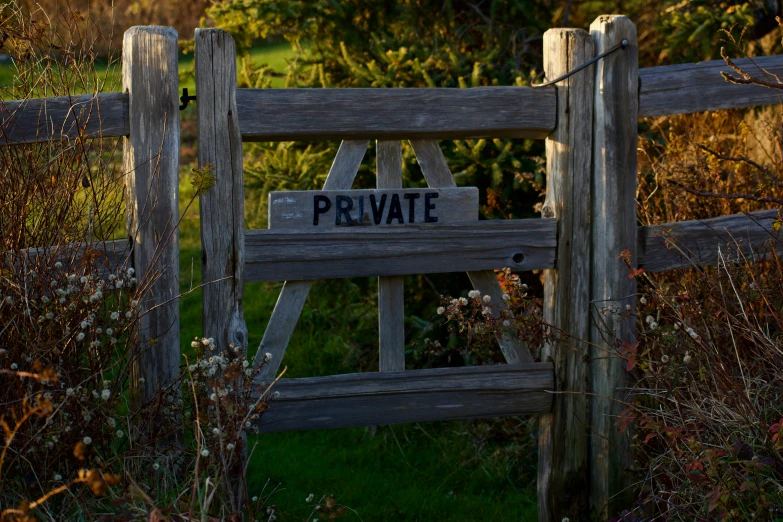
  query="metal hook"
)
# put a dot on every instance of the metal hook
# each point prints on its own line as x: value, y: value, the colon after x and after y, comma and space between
x: 622, y: 45
x: 185, y: 99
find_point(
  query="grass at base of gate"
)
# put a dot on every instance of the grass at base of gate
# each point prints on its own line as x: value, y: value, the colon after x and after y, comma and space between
x: 429, y: 471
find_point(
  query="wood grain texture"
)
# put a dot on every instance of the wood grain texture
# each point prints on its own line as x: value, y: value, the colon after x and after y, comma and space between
x: 563, y: 447
x: 151, y: 161
x: 414, y: 396
x: 696, y: 87
x: 222, y: 206
x: 391, y: 290
x: 64, y: 118
x: 394, y: 114
x: 294, y: 294
x: 613, y: 231
x: 437, y: 173
x: 289, y: 255
x: 688, y: 244
x: 296, y: 209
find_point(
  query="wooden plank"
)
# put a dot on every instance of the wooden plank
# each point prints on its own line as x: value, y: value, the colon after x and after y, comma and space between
x: 288, y: 255
x: 437, y: 173
x: 563, y: 444
x: 222, y: 206
x: 106, y: 257
x: 294, y: 294
x: 391, y: 290
x: 317, y: 210
x: 437, y: 394
x: 64, y: 118
x: 696, y: 87
x: 151, y: 161
x: 688, y: 244
x: 613, y: 226
x: 394, y: 114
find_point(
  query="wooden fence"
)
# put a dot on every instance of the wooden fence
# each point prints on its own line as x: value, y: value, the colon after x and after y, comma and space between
x: 589, y: 122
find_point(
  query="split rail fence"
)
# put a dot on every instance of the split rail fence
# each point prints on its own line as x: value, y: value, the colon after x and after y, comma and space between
x: 589, y: 122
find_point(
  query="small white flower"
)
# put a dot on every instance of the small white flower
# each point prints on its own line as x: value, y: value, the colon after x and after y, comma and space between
x: 309, y: 498
x: 441, y: 310
x: 249, y: 372
x: 49, y: 315
x: 114, y: 316
x: 194, y: 344
x: 80, y: 337
x: 87, y: 440
x: 664, y: 358
x: 653, y: 326
x: 134, y: 303
x: 14, y: 366
x: 267, y: 357
x: 128, y: 315
x: 156, y: 466
x: 487, y: 298
x: 474, y: 293
x: 649, y: 319
x: 643, y: 300
x: 254, y: 499
x: 120, y: 434
x: 506, y: 323
x: 216, y: 431
x: 213, y: 397
x: 687, y: 358
x: 83, y: 279
x: 523, y: 287
x: 506, y: 297
x: 462, y: 301
x: 69, y: 391
x: 142, y: 380
x: 205, y: 452
x: 105, y: 394
x: 230, y: 446
x: 58, y: 265
x: 276, y: 395
x: 113, y: 340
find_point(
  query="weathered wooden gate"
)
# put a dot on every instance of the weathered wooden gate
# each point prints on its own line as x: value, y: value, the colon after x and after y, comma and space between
x: 589, y: 124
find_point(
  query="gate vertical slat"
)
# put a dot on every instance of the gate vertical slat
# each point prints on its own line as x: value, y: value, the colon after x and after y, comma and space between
x: 222, y: 206
x: 391, y: 289
x: 563, y: 440
x: 613, y: 231
x: 151, y: 163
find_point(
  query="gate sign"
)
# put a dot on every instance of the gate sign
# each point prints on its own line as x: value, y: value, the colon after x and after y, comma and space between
x: 327, y: 209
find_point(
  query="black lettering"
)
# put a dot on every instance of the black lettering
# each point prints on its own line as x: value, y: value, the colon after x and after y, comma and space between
x: 429, y: 206
x: 360, y: 216
x: 395, y: 210
x: 377, y: 211
x: 318, y: 209
x: 344, y: 205
x: 412, y: 202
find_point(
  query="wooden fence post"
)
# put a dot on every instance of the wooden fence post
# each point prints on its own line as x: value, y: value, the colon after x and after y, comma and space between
x: 563, y: 441
x: 151, y: 164
x: 222, y: 206
x: 613, y: 292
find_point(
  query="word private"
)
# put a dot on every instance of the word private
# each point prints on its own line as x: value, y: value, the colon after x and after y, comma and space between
x: 371, y: 207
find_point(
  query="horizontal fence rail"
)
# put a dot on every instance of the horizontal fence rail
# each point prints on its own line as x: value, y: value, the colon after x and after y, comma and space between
x: 388, y: 114
x: 443, y: 113
x: 697, y: 87
x: 106, y: 256
x: 686, y: 244
x: 340, y: 401
x: 292, y: 255
x: 64, y: 117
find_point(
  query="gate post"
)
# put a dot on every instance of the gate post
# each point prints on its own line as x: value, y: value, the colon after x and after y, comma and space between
x: 563, y: 440
x: 614, y: 231
x: 151, y: 166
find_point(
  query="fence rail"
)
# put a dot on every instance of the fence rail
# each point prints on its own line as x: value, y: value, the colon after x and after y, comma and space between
x: 340, y: 401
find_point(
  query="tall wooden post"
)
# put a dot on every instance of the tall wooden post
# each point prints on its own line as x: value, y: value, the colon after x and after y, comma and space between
x: 151, y: 163
x: 563, y: 440
x: 222, y: 207
x: 222, y: 217
x: 613, y: 293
